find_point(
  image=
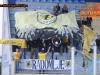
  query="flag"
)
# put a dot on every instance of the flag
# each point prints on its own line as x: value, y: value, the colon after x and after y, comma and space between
x: 88, y: 37
x: 42, y: 24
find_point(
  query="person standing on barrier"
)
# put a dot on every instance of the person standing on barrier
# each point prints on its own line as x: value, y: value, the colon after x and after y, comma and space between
x: 57, y: 45
x: 17, y: 59
x: 42, y: 56
x: 34, y: 49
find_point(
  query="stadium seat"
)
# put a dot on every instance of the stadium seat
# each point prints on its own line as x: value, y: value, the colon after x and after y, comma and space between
x: 82, y: 2
x: 12, y: 18
x: 17, y: 0
x: 30, y: 0
x: 49, y: 54
x: 64, y: 54
x: 82, y: 69
x: 80, y: 62
x: 11, y: 12
x: 44, y: 1
x: 12, y: 25
x: 76, y: 1
x: 49, y: 1
x: 77, y: 7
x: 23, y: 0
x: 56, y: 1
x: 50, y: 7
x: 13, y: 32
x: 30, y: 7
x: 44, y: 7
x: 70, y: 8
x: 38, y: 7
x: 62, y: 1
x: 69, y: 1
x: 37, y: 1
x: 28, y: 53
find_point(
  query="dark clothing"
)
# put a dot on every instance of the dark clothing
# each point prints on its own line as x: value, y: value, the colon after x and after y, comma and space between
x: 42, y: 46
x: 57, y: 47
x: 64, y: 11
x: 29, y: 45
x: 98, y: 42
x: 84, y: 22
x: 34, y: 43
x: 89, y: 20
x: 58, y: 8
x: 34, y: 51
x: 79, y: 23
x: 65, y: 46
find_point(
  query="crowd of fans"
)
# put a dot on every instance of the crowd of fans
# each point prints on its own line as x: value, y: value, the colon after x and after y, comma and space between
x: 40, y: 47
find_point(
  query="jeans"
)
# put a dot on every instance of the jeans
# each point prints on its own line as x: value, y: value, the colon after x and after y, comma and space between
x: 52, y: 53
x: 17, y: 66
x: 23, y: 54
x: 34, y: 51
x: 76, y: 45
x: 98, y: 49
x: 65, y: 47
x: 56, y: 55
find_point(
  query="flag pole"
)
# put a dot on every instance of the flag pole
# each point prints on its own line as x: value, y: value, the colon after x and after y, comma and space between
x: 94, y: 60
x: 72, y: 60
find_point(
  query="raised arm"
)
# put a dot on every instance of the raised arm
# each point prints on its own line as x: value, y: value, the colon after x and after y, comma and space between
x: 48, y: 49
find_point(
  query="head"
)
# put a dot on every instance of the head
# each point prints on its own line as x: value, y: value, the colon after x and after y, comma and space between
x: 65, y: 6
x: 26, y: 9
x: 34, y: 9
x: 98, y: 36
x: 42, y: 51
x: 57, y: 4
x: 17, y: 50
x: 42, y: 40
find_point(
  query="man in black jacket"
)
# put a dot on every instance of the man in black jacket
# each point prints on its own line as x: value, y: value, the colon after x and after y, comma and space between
x: 34, y: 49
x: 98, y: 43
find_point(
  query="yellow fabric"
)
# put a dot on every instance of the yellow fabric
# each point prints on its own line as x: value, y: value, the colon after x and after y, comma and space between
x: 42, y: 56
x: 18, y: 42
x: 17, y: 56
x: 88, y: 37
x: 39, y: 20
x: 64, y: 40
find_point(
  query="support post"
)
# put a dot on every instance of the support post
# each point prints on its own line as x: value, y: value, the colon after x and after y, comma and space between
x: 94, y: 60
x: 72, y: 60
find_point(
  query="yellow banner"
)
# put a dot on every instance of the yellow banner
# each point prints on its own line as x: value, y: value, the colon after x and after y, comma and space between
x: 18, y: 42
x: 88, y: 37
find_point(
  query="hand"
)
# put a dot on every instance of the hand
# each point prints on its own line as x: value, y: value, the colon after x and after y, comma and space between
x: 71, y: 44
x: 44, y: 44
x: 59, y: 38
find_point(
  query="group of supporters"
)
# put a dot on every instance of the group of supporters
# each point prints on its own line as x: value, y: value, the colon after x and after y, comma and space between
x: 39, y: 48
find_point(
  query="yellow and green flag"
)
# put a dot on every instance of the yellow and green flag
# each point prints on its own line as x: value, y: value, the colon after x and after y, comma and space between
x: 88, y: 37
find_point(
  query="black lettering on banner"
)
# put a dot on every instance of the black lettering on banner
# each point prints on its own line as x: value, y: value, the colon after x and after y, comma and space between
x: 44, y: 64
x: 50, y: 64
x: 62, y: 64
x: 39, y: 64
x: 57, y: 67
x: 33, y: 64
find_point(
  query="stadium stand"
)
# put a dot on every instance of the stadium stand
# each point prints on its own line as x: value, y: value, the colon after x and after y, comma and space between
x: 48, y: 5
